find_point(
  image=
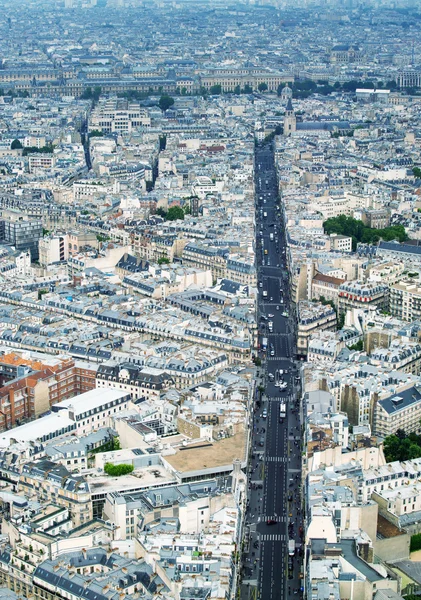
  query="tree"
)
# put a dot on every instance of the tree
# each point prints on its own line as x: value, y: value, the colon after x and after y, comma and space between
x: 165, y: 102
x: 117, y: 470
x: 215, y: 90
x: 95, y: 133
x: 163, y: 260
x: 359, y: 232
x: 16, y: 145
x: 247, y: 89
x: 416, y: 171
x: 96, y: 93
x: 87, y: 94
x: 175, y: 213
x: 262, y: 87
x: 237, y: 90
x: 280, y: 88
x: 359, y: 346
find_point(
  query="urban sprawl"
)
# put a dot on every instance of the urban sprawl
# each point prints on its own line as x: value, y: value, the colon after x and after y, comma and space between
x: 210, y: 300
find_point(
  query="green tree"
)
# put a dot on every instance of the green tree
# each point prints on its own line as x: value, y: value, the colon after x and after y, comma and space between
x: 262, y: 87
x: 237, y: 90
x: 175, y: 213
x: 16, y: 145
x: 95, y: 133
x: 165, y: 102
x: 247, y: 89
x: 280, y: 88
x: 163, y: 260
x: 96, y: 93
x: 117, y: 470
x: 416, y: 171
x: 87, y: 94
x: 215, y: 90
x: 359, y: 346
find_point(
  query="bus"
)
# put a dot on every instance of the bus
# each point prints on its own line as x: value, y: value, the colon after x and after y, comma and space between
x: 282, y: 411
x: 264, y: 344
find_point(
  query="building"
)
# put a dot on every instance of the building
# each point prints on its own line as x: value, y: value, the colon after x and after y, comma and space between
x: 327, y: 287
x: 41, y: 162
x: 359, y: 294
x: 20, y: 231
x: 399, y: 411
x: 409, y: 78
x: 139, y: 381
x: 340, y: 243
x: 290, y: 120
x: 376, y: 218
x: 312, y: 317
x: 409, y: 253
x: 47, y: 481
x: 82, y: 414
x: 53, y: 249
x: 405, y: 300
x: 119, y: 116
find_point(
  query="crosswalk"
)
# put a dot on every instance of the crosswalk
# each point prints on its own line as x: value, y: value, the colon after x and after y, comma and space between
x: 280, y: 459
x: 277, y: 518
x: 287, y: 398
x: 272, y: 537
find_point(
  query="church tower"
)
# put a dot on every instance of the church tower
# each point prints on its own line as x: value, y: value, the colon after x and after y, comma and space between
x: 290, y: 121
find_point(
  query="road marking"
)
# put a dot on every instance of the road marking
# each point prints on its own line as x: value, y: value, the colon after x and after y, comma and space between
x: 273, y: 537
x: 276, y: 459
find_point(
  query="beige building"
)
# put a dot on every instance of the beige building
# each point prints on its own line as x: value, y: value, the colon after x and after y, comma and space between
x: 326, y: 287
x: 46, y: 481
x: 405, y: 300
x: 313, y: 317
x: 400, y: 411
x: 340, y: 243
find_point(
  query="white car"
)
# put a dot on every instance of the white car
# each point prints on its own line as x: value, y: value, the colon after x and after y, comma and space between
x: 270, y: 315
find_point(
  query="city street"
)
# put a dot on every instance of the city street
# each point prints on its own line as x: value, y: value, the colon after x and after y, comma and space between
x: 270, y: 569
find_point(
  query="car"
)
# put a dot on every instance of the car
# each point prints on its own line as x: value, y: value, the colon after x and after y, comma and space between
x: 277, y: 307
x: 271, y: 522
x: 271, y: 299
x: 270, y: 315
x: 264, y: 413
x: 284, y: 314
x: 261, y: 284
x: 271, y: 376
x: 262, y: 441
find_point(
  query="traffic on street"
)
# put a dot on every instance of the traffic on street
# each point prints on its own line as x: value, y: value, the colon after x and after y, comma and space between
x: 272, y: 552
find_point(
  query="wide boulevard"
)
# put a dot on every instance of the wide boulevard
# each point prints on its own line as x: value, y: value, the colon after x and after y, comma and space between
x: 271, y: 568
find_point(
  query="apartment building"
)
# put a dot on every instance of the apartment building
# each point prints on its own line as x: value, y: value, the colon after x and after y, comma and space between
x: 312, y: 317
x: 53, y: 249
x: 327, y: 287
x: 405, y: 300
x: 360, y: 294
x: 20, y: 231
x: 36, y: 386
x: 140, y: 382
x: 340, y: 243
x: 41, y: 161
x: 399, y: 411
x: 206, y: 257
x: 46, y: 481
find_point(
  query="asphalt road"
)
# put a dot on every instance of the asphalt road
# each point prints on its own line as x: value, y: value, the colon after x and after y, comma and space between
x: 274, y: 513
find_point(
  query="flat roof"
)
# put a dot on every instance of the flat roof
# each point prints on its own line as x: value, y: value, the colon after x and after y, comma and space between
x: 36, y: 429
x: 207, y: 456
